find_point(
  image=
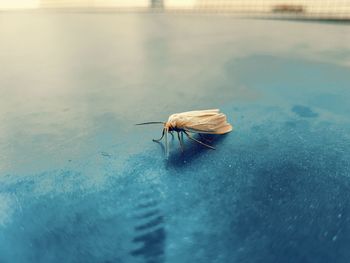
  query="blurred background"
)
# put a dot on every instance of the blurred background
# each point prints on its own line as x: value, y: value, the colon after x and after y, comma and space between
x: 326, y: 9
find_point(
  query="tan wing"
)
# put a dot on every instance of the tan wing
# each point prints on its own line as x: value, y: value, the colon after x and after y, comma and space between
x: 195, y: 113
x: 205, y: 121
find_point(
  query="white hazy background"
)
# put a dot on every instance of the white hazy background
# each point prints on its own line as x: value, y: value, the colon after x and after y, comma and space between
x: 318, y: 8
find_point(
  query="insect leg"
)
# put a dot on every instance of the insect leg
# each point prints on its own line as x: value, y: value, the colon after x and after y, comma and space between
x: 172, y: 135
x: 166, y: 143
x: 202, y: 143
x: 160, y: 137
x: 181, y: 144
x: 203, y: 138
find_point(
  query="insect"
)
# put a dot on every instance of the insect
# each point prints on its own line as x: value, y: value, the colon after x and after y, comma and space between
x: 201, y: 121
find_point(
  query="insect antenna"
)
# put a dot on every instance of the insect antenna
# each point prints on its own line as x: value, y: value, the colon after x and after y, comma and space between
x: 151, y: 122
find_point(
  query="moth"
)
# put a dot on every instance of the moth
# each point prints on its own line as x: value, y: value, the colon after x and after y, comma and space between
x: 200, y: 121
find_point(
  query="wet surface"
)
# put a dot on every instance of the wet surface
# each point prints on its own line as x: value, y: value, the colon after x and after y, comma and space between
x: 80, y: 183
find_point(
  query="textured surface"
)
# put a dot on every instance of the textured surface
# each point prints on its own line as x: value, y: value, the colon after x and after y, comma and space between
x: 80, y: 183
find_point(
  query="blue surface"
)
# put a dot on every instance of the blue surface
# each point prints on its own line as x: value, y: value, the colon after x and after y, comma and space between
x: 80, y: 183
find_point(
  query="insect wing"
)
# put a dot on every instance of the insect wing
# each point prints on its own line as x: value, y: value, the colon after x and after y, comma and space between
x: 206, y: 121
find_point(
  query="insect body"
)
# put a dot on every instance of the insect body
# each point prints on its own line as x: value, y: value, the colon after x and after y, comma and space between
x: 201, y: 122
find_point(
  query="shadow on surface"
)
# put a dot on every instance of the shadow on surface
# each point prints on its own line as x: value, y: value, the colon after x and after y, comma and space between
x: 193, y: 150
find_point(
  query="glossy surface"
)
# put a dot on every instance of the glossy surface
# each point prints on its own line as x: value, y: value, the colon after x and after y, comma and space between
x: 80, y: 183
